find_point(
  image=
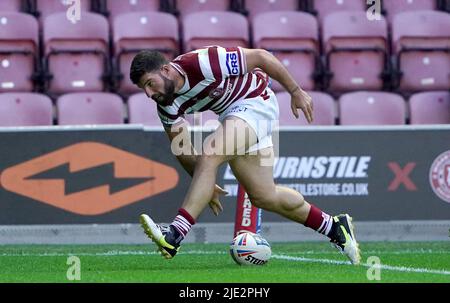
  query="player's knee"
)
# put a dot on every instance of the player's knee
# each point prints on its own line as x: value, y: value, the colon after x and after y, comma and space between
x: 301, y: 200
x: 264, y: 201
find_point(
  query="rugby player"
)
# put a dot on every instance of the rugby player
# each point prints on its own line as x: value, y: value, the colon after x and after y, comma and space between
x: 233, y: 83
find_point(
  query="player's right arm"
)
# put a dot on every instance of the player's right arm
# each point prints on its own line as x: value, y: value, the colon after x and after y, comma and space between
x: 260, y: 58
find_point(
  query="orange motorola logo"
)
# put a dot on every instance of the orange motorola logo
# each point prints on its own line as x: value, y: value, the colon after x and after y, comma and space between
x: 89, y: 178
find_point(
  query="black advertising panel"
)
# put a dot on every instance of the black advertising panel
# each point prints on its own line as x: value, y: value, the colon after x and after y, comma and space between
x: 87, y: 175
x: 112, y: 174
x: 379, y: 174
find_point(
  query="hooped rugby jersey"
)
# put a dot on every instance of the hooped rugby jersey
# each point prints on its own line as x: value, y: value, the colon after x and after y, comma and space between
x: 215, y: 78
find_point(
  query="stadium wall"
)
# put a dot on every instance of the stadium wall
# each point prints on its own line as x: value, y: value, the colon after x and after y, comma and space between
x: 73, y: 178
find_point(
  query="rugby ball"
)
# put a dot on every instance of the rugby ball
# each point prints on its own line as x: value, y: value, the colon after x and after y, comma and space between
x: 250, y: 249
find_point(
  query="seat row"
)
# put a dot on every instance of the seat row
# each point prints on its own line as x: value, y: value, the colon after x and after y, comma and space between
x: 353, y: 54
x: 320, y: 8
x: 357, y: 108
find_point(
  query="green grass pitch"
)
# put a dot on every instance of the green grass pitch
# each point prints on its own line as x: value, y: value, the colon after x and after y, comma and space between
x: 211, y: 263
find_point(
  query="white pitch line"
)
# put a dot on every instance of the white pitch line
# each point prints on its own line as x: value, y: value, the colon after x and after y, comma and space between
x: 137, y: 252
x: 378, y: 252
x: 113, y: 253
x: 381, y: 266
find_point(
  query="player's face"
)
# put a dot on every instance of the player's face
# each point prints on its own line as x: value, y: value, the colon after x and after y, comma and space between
x: 158, y: 87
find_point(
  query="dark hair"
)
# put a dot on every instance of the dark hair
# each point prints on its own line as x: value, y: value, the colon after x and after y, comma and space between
x: 146, y: 61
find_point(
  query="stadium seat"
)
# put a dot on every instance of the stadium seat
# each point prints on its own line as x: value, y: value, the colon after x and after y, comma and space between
x: 25, y: 109
x: 323, y: 8
x: 324, y: 110
x: 430, y: 108
x: 115, y: 8
x: 133, y: 32
x: 89, y: 108
x: 142, y: 110
x: 45, y: 8
x: 372, y: 108
x: 186, y: 7
x: 393, y: 7
x: 255, y: 7
x: 421, y: 41
x: 356, y: 50
x: 293, y: 38
x: 19, y: 40
x: 226, y: 29
x: 76, y: 55
x: 10, y: 6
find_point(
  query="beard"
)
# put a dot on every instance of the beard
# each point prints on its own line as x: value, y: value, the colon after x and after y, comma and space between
x: 168, y: 96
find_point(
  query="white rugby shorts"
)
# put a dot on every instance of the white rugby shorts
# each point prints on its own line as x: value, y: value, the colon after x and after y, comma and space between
x: 260, y: 113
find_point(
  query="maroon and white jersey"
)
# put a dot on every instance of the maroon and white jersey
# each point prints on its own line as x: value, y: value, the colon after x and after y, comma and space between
x: 215, y: 77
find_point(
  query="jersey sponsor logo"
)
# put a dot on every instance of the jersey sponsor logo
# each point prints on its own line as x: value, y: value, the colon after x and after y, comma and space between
x: 440, y: 176
x: 237, y: 109
x: 232, y: 63
x: 216, y: 93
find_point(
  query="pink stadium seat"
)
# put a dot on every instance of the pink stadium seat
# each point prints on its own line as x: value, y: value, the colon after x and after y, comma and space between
x: 10, y: 6
x: 115, y: 7
x: 255, y: 7
x: 326, y: 7
x: 48, y: 7
x: 372, y: 108
x: 133, y: 32
x: 430, y: 108
x: 226, y: 29
x: 356, y: 51
x: 324, y: 110
x: 142, y: 110
x: 293, y: 38
x: 393, y: 7
x: 186, y: 7
x: 76, y: 55
x: 89, y: 108
x: 25, y: 109
x: 421, y: 41
x: 19, y: 42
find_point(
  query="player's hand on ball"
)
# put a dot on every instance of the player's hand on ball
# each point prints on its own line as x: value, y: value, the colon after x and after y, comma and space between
x: 215, y: 204
x: 301, y: 100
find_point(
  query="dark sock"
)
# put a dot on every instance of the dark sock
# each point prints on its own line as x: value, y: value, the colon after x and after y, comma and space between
x: 320, y: 221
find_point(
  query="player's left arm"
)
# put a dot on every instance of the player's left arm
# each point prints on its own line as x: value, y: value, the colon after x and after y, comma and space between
x: 259, y: 58
x: 180, y: 133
